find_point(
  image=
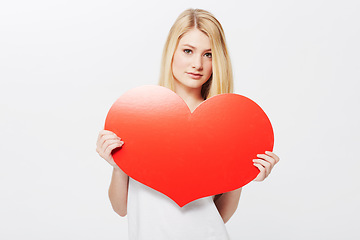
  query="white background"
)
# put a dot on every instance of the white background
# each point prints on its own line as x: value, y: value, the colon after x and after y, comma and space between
x: 63, y: 63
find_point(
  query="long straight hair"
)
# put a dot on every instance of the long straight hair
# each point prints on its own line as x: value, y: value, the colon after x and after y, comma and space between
x: 221, y: 80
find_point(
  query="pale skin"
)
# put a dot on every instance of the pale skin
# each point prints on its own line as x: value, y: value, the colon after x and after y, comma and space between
x: 192, y: 67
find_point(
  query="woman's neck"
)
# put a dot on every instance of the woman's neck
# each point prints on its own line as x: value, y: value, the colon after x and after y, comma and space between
x: 191, y: 96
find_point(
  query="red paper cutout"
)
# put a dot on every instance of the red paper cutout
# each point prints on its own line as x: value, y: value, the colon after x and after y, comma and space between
x: 185, y: 155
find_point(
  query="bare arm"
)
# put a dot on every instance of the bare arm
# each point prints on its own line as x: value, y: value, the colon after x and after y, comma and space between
x: 227, y: 203
x: 118, y: 190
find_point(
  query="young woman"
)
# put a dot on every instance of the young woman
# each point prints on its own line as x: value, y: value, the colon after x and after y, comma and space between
x: 196, y: 66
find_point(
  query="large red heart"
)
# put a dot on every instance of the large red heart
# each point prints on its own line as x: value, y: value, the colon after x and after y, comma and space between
x: 187, y: 155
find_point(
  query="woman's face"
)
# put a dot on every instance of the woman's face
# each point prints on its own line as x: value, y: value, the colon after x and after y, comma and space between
x: 192, y: 61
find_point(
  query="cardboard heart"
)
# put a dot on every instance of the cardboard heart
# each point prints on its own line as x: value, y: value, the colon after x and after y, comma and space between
x: 185, y: 155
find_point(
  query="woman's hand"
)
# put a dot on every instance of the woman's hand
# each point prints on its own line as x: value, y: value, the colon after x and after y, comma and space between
x: 106, y: 142
x: 265, y: 163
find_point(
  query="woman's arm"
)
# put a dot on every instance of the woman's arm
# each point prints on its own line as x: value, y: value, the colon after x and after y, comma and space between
x: 227, y: 203
x: 118, y: 190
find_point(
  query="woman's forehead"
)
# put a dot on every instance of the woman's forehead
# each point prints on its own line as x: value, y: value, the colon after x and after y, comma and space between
x: 196, y: 39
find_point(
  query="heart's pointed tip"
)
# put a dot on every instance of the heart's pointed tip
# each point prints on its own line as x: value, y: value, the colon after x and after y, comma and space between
x: 183, y: 203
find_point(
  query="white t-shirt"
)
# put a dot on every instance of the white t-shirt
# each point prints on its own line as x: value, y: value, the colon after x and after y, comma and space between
x: 153, y: 215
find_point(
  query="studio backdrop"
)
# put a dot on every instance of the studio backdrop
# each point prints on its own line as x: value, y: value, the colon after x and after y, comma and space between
x: 63, y: 64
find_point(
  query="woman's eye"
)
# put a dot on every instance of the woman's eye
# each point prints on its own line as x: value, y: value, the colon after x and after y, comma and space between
x: 188, y: 51
x: 209, y: 55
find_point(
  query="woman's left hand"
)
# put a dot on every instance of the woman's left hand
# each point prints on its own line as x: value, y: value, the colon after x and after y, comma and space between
x: 265, y: 163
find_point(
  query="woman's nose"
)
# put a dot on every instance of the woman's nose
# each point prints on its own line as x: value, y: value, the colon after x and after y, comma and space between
x: 197, y: 62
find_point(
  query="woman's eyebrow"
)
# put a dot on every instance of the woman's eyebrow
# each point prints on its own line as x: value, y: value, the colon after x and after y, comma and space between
x: 188, y: 45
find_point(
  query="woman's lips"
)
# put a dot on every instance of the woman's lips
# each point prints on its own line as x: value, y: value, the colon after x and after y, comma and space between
x: 194, y: 75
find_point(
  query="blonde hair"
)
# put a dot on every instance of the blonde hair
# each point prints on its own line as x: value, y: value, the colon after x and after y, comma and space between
x: 221, y: 80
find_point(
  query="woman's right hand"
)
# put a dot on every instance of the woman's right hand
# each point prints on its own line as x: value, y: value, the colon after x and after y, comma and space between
x: 107, y: 141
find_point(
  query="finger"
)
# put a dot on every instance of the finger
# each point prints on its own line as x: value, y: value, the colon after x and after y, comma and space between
x: 111, y: 147
x: 110, y: 137
x: 106, y: 138
x: 265, y: 164
x: 273, y: 155
x: 110, y: 142
x: 104, y: 132
x: 259, y: 166
x: 267, y: 158
x: 261, y: 176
